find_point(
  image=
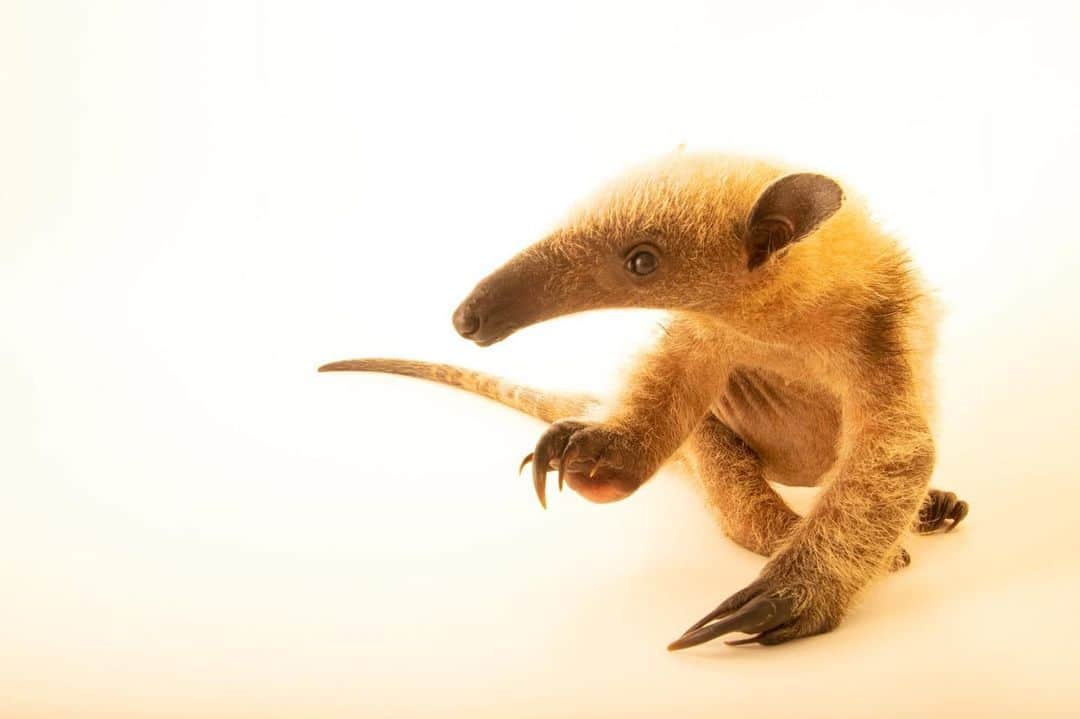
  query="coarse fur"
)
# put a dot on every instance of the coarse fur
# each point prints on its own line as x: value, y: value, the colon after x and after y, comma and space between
x: 799, y: 351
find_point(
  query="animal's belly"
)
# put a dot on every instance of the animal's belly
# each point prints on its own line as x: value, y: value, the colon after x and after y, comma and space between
x: 792, y: 425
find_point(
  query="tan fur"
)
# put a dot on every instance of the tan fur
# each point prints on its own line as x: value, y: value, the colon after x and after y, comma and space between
x: 812, y: 368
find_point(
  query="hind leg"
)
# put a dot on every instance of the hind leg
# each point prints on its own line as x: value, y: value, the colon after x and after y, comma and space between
x: 750, y: 512
x: 937, y: 508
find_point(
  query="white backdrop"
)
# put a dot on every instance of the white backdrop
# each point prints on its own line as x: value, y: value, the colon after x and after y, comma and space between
x: 202, y: 202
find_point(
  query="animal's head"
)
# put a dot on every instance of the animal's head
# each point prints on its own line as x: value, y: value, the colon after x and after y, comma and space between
x: 691, y: 232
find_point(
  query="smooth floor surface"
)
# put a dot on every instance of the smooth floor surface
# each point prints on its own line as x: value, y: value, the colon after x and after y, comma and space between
x: 421, y: 578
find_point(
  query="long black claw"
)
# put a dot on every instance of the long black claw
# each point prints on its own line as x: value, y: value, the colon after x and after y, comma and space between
x: 552, y: 444
x: 714, y: 614
x: 727, y: 606
x: 760, y: 615
x: 562, y: 464
x: 540, y: 480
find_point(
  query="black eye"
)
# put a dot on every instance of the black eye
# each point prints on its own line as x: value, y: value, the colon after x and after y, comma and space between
x: 642, y: 263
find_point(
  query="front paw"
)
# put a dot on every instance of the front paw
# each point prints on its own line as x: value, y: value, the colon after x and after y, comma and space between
x: 776, y: 608
x: 598, y: 461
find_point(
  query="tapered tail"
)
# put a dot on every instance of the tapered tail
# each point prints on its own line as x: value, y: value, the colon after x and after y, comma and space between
x: 543, y: 405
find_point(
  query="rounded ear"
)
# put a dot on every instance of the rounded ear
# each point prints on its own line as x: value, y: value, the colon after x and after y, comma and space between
x: 788, y: 210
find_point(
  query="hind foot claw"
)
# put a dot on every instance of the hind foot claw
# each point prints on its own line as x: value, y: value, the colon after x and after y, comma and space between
x: 900, y: 560
x: 938, y: 508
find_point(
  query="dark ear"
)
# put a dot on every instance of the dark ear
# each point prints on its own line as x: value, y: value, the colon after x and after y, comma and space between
x: 787, y: 211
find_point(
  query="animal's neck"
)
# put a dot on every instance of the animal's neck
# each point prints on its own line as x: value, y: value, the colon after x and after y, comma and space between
x: 785, y: 305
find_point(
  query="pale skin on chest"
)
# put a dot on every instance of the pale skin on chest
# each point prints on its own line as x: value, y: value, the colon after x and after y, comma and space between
x: 768, y: 397
x: 792, y: 426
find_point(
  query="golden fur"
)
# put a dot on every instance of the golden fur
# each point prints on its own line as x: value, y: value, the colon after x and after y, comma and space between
x: 809, y: 366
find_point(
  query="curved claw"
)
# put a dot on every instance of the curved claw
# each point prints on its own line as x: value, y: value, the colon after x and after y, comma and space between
x: 562, y: 464
x: 714, y: 614
x: 540, y: 481
x: 759, y: 616
x: 957, y: 515
x: 541, y: 463
x: 727, y: 606
x: 528, y: 458
x: 552, y: 445
x: 940, y: 509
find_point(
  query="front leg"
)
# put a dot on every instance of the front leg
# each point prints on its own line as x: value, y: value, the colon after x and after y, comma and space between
x: 730, y: 473
x: 749, y: 510
x: 668, y: 392
x: 849, y: 536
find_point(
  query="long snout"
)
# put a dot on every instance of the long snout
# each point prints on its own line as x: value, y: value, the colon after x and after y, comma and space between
x: 500, y: 305
x: 528, y: 289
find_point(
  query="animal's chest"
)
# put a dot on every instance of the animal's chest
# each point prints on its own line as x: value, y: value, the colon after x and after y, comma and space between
x: 792, y: 425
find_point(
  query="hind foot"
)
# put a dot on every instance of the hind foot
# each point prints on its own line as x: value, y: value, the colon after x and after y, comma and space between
x: 900, y: 560
x: 938, y: 508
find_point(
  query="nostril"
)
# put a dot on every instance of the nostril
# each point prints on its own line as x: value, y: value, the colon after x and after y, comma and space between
x: 466, y: 322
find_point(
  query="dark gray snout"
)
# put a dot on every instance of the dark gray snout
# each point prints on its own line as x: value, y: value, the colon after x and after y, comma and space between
x: 480, y: 319
x: 495, y: 309
x: 466, y: 320
x: 512, y: 297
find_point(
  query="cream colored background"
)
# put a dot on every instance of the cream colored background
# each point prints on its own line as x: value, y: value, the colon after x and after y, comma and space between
x: 201, y: 202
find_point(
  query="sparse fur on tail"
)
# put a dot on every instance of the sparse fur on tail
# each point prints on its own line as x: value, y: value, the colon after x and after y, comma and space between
x: 542, y: 405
